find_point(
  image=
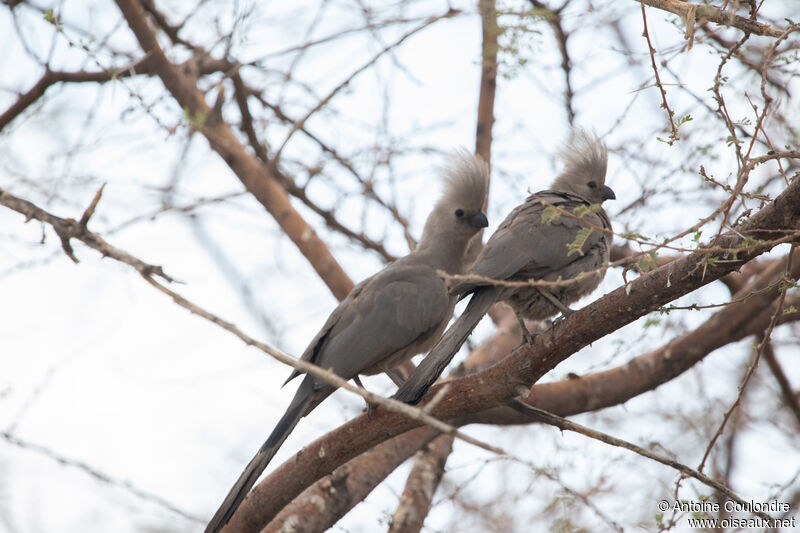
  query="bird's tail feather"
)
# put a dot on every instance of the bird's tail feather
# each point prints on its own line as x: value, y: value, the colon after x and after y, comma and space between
x: 442, y: 353
x: 303, y: 402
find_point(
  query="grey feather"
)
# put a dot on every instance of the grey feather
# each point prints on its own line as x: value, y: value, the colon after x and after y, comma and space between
x: 533, y: 242
x: 388, y: 318
x: 464, y: 176
x: 584, y: 157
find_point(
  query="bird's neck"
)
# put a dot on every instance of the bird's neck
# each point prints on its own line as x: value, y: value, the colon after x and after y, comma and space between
x: 443, y: 254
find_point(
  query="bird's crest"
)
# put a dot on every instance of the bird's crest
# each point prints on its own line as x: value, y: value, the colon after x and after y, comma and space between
x: 585, y: 156
x: 466, y: 181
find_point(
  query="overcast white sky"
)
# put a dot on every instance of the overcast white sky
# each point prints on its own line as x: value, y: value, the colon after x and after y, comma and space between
x: 98, y: 368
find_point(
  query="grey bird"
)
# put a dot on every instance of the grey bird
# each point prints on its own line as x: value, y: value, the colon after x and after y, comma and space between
x: 388, y: 318
x: 538, y: 240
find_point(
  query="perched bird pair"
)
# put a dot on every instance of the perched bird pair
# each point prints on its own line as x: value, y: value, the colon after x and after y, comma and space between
x: 388, y: 318
x: 402, y: 310
x: 559, y: 234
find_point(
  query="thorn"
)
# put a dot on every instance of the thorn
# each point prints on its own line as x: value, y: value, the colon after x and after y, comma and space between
x: 90, y: 210
x: 68, y: 248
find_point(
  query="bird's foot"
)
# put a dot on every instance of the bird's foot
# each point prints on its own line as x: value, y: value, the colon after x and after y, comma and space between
x: 527, y: 336
x: 370, y: 407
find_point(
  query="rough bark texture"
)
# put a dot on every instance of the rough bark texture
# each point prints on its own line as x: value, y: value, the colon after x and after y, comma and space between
x: 320, y: 506
x: 415, y: 502
x: 501, y: 382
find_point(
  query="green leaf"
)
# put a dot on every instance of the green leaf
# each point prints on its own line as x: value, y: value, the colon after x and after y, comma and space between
x: 647, y: 262
x: 576, y: 246
x: 550, y: 214
x: 633, y: 236
x: 583, y: 210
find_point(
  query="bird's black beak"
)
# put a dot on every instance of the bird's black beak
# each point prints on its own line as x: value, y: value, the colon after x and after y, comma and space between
x: 479, y: 220
x: 607, y: 193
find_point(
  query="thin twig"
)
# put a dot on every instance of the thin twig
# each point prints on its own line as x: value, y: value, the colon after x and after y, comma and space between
x: 566, y: 425
x: 99, y: 475
x: 751, y: 368
x: 670, y: 114
x: 327, y: 375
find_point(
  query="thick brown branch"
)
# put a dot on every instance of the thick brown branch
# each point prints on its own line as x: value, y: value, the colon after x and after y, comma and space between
x: 415, y: 502
x: 488, y: 86
x: 725, y: 18
x: 241, y: 93
x: 53, y: 77
x: 646, y: 372
x: 501, y: 382
x: 614, y: 386
x: 262, y: 181
x: 486, y: 99
x: 320, y: 506
x: 790, y: 397
x: 602, y: 389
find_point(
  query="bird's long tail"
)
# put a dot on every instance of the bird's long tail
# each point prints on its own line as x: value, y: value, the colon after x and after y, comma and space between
x: 442, y: 353
x: 304, y: 401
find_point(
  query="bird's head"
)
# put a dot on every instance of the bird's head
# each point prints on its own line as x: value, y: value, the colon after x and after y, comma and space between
x: 459, y: 213
x: 585, y: 159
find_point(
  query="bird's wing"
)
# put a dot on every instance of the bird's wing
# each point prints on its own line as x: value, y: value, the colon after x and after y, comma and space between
x: 384, y: 314
x: 534, y: 238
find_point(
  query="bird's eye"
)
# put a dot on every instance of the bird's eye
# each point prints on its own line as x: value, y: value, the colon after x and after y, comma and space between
x: 459, y: 212
x: 592, y: 185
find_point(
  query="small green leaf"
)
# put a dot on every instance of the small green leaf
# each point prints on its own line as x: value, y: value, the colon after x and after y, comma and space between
x: 576, y: 246
x: 647, y: 262
x: 583, y: 210
x: 633, y: 236
x: 550, y: 214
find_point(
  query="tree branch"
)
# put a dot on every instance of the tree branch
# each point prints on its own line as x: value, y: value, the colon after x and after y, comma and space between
x: 526, y: 365
x: 262, y: 181
x: 98, y: 475
x: 566, y: 425
x: 53, y: 77
x: 68, y: 229
x: 713, y: 14
x: 417, y: 497
x: 790, y: 397
x: 553, y: 17
x: 320, y: 506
